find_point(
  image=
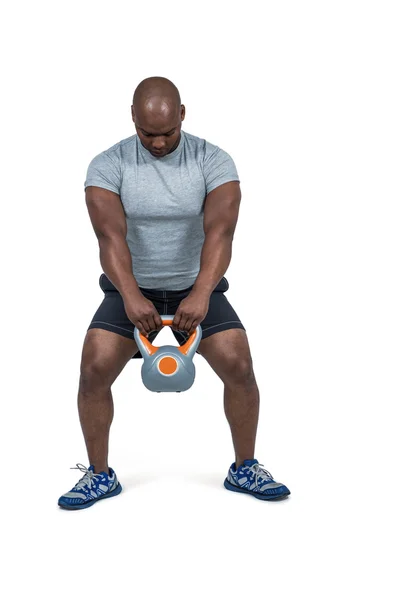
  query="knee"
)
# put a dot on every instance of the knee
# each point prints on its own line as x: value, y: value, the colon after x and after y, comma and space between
x: 93, y: 376
x: 239, y: 371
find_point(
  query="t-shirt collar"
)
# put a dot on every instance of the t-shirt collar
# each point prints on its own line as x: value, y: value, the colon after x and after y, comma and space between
x: 167, y: 157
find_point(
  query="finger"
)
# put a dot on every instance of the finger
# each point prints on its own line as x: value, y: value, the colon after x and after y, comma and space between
x: 185, y: 323
x: 152, y: 322
x: 147, y: 325
x: 176, y: 321
x: 158, y: 321
x: 192, y: 326
x: 155, y: 320
x: 141, y: 328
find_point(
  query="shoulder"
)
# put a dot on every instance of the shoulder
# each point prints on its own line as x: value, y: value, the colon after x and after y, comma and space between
x: 114, y: 154
x: 106, y: 168
x: 214, y: 154
x: 216, y: 157
x: 218, y: 166
x: 205, y: 150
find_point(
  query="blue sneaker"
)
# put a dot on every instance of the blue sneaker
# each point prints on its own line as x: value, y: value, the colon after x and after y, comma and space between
x: 250, y: 478
x: 90, y: 488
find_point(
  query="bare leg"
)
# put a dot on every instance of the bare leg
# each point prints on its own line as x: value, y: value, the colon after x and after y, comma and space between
x: 104, y: 356
x: 241, y: 404
x: 229, y: 356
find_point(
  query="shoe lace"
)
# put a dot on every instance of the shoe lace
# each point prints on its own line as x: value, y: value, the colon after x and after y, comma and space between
x: 260, y: 473
x: 86, y: 480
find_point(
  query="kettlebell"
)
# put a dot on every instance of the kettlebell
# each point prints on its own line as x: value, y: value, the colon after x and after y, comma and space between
x: 168, y: 368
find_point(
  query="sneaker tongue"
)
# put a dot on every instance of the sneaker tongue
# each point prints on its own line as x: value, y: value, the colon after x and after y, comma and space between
x: 91, y: 468
x: 250, y: 461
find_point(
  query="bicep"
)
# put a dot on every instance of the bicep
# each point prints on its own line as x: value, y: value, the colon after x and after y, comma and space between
x: 105, y: 211
x: 221, y: 209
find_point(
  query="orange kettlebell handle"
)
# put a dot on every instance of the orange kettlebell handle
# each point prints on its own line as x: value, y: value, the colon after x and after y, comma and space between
x: 153, y: 349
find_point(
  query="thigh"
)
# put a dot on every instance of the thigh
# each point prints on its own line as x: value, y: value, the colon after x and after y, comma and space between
x: 104, y: 355
x: 228, y: 354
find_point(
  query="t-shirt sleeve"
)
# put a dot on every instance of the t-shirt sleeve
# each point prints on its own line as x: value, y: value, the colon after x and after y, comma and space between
x: 104, y: 172
x: 218, y: 168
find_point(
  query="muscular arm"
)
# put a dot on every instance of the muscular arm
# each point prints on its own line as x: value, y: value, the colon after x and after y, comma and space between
x: 221, y: 213
x: 109, y: 223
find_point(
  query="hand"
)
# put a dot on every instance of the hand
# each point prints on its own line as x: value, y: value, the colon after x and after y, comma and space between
x: 191, y: 312
x: 143, y: 314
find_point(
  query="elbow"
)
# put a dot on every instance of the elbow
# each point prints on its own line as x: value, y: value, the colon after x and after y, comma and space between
x: 220, y: 232
x: 107, y: 240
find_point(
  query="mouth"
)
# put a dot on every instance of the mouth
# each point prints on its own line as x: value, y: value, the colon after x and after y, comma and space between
x: 157, y: 153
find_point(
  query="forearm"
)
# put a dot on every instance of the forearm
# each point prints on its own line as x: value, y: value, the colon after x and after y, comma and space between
x: 116, y: 261
x: 214, y: 261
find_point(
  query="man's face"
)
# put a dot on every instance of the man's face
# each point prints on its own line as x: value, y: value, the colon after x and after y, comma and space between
x: 159, y: 135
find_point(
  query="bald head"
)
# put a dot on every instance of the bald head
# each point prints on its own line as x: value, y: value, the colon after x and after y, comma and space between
x: 158, y: 96
x: 158, y: 114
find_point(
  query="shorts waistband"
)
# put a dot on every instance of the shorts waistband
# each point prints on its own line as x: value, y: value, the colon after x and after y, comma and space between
x: 163, y: 293
x: 107, y: 286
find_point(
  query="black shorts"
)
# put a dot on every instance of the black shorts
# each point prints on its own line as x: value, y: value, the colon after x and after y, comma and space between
x: 111, y: 313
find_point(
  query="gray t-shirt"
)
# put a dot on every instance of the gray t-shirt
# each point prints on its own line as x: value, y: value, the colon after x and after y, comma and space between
x: 163, y: 200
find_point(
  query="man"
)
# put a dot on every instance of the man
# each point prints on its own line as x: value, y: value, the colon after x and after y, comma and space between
x: 164, y: 205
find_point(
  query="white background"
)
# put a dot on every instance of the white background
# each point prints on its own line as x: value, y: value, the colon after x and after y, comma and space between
x: 305, y: 98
